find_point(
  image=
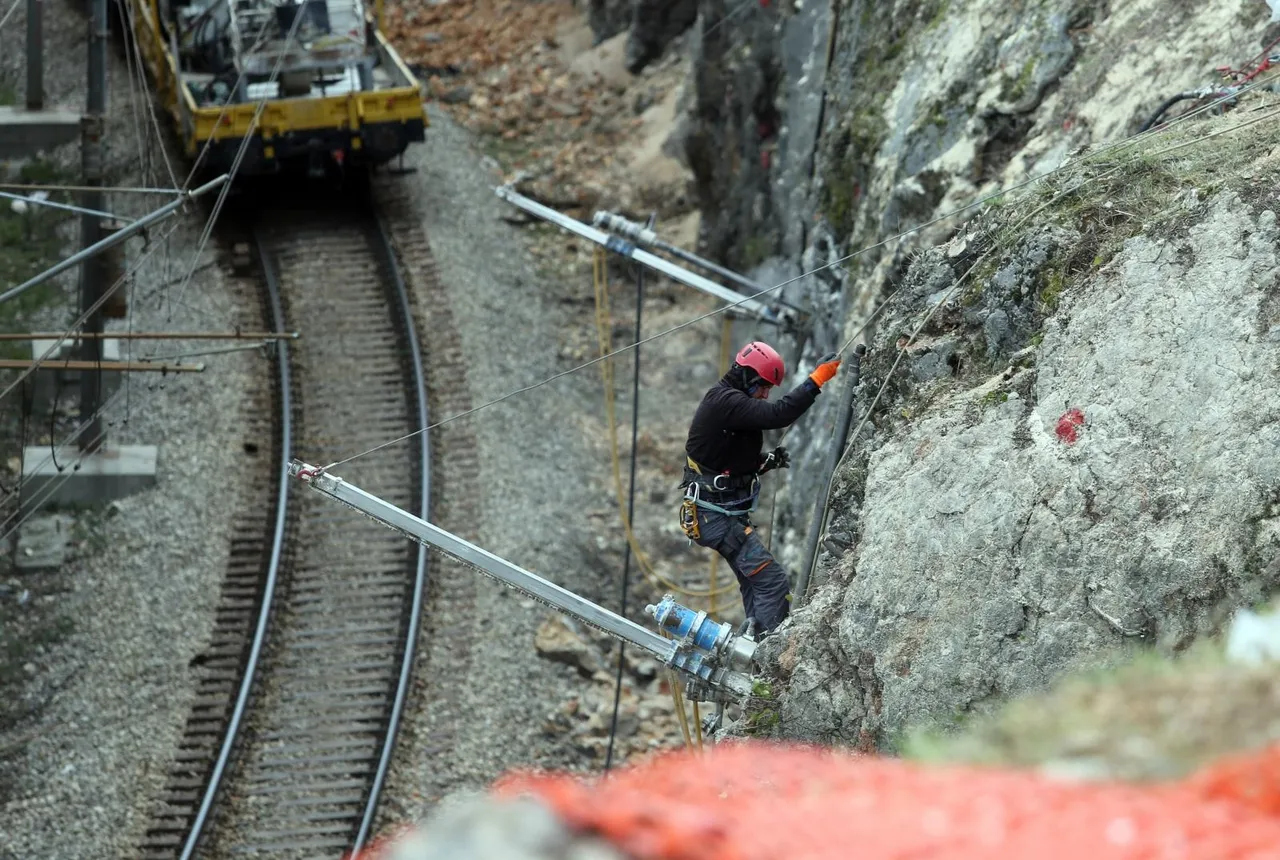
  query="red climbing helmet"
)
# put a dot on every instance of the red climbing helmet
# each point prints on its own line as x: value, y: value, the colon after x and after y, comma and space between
x: 764, y: 360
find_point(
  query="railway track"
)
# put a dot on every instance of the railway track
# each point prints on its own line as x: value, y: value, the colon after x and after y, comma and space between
x: 289, y: 739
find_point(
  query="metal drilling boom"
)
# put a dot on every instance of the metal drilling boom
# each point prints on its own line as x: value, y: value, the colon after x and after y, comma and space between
x: 716, y: 662
x: 653, y: 261
x: 501, y: 569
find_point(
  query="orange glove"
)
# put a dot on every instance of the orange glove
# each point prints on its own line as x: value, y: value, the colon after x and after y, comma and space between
x: 827, y: 367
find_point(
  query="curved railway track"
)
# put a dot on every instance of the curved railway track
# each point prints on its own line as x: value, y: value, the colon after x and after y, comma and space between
x: 289, y: 739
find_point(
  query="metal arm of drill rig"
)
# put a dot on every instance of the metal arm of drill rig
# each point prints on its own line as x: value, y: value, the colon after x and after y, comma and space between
x: 715, y: 662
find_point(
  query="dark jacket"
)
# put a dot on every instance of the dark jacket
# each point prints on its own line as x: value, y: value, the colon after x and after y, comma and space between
x: 727, y: 432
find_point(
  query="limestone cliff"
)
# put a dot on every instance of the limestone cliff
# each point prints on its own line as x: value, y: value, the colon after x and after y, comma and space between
x: 974, y: 551
x: 1075, y: 459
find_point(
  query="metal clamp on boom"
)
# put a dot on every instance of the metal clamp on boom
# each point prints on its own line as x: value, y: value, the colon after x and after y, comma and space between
x: 716, y: 660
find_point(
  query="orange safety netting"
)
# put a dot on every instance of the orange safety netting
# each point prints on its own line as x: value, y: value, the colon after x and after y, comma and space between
x: 755, y: 800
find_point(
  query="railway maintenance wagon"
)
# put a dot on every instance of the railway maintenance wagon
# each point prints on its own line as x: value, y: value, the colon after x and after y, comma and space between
x: 336, y: 92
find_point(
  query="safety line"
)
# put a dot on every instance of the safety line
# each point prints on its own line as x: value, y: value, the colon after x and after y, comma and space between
x: 1085, y: 161
x: 601, y: 274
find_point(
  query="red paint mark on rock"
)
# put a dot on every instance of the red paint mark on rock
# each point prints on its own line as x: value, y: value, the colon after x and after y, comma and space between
x: 1069, y: 425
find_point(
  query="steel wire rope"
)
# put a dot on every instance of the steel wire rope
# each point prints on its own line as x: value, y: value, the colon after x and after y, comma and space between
x: 729, y: 16
x: 113, y: 189
x: 7, y: 15
x: 71, y: 436
x: 54, y: 204
x: 1065, y: 192
x: 884, y: 303
x: 133, y: 269
x: 1084, y: 161
x: 222, y: 113
x: 148, y: 101
x: 64, y: 472
x: 902, y: 349
x: 66, y: 442
x: 603, y: 322
x: 130, y: 47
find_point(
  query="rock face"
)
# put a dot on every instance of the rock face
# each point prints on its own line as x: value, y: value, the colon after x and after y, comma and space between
x: 1071, y: 460
x: 1052, y: 496
x: 651, y: 25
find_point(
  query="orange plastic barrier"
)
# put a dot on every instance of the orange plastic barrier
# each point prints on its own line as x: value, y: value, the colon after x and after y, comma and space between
x: 754, y: 800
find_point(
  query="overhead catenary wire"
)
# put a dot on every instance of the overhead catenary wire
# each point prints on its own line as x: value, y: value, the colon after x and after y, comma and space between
x: 1084, y: 161
x: 70, y: 333
x: 112, y: 189
x: 68, y: 207
x: 182, y: 193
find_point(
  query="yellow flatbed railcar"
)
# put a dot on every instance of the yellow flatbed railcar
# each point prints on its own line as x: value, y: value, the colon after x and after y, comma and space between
x: 336, y: 91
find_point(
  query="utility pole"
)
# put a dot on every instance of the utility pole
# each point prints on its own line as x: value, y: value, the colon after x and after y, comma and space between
x: 92, y: 272
x: 35, y: 54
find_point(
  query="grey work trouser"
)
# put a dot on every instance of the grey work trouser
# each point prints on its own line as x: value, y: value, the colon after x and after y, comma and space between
x: 762, y: 581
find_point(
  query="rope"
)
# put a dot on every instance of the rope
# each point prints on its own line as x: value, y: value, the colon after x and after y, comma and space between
x: 603, y: 332
x: 726, y: 350
x: 678, y: 698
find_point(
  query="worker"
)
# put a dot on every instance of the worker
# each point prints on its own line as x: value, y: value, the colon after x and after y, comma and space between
x: 723, y: 463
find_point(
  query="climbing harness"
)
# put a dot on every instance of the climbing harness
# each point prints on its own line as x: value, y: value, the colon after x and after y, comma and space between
x: 696, y: 483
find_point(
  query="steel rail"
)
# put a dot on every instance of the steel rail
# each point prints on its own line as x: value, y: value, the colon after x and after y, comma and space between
x: 273, y: 567
x: 400, y: 309
x: 424, y: 501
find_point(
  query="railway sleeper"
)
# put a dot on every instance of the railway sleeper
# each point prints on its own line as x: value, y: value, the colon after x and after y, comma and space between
x: 335, y: 785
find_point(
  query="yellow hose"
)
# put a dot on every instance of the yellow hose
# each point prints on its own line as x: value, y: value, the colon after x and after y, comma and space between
x: 604, y: 336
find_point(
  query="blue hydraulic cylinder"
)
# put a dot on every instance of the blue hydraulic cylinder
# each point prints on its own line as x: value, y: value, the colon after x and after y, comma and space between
x: 682, y: 622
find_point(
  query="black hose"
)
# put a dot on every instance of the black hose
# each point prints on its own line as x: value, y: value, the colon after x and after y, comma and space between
x: 631, y: 506
x: 1168, y: 103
